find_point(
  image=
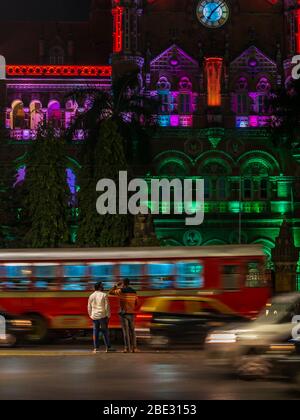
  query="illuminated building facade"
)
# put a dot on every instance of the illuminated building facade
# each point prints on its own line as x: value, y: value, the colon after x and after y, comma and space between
x: 213, y: 64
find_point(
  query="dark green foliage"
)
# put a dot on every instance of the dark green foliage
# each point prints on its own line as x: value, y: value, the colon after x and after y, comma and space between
x: 47, y: 194
x: 132, y: 112
x: 108, y: 160
x: 119, y: 126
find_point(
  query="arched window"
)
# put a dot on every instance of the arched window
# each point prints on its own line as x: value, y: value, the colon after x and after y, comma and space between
x: 173, y: 168
x: 36, y: 115
x: 215, y: 172
x: 17, y: 115
x: 248, y: 189
x: 260, y: 97
x: 185, y: 96
x: 54, y: 114
x: 264, y: 188
x: 163, y: 90
x: 207, y: 188
x: 222, y: 188
x: 57, y: 55
x: 242, y: 97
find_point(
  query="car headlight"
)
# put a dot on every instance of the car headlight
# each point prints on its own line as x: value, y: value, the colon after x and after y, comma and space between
x: 221, y: 338
x: 21, y: 323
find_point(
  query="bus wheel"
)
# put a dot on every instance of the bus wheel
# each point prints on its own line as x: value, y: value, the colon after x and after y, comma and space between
x: 39, y: 331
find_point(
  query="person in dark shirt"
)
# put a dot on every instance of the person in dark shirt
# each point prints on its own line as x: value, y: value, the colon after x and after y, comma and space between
x: 128, y: 307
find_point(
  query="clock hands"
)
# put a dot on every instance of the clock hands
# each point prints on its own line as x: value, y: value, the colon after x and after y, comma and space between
x: 214, y: 10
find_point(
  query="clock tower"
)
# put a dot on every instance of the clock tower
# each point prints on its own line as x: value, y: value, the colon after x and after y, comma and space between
x: 127, y: 49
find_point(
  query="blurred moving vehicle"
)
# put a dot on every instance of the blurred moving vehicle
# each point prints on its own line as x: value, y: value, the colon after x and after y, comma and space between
x: 254, y: 349
x: 51, y: 287
x: 13, y: 328
x: 169, y: 320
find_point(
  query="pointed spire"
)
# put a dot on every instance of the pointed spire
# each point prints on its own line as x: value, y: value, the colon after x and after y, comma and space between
x: 285, y: 249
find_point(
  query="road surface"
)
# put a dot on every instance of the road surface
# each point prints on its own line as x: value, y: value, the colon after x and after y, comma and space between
x: 72, y: 373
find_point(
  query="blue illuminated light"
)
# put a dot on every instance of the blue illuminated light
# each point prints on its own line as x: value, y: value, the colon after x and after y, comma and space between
x: 213, y: 12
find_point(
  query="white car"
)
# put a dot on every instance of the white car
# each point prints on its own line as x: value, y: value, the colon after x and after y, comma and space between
x: 250, y: 349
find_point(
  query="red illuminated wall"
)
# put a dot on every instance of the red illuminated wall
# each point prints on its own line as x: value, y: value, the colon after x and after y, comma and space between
x: 214, y: 75
x: 117, y: 12
x: 55, y: 71
x: 298, y: 29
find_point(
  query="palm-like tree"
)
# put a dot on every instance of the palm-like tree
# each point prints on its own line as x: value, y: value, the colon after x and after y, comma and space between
x: 118, y: 126
x: 126, y: 104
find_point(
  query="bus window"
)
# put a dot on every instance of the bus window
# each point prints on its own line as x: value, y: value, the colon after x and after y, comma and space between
x: 18, y: 276
x: 160, y: 275
x: 75, y: 277
x: 2, y: 277
x: 45, y: 277
x: 103, y: 273
x: 231, y: 277
x: 190, y: 275
x: 133, y: 272
x: 255, y: 275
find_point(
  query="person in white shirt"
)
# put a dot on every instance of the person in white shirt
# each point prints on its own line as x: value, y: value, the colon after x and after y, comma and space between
x: 99, y: 312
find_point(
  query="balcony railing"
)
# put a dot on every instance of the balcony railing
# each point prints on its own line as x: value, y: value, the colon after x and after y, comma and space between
x: 175, y: 120
x: 29, y: 135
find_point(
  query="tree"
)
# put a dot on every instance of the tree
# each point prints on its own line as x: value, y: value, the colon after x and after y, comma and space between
x: 109, y: 159
x: 46, y: 202
x: 9, y: 208
x: 118, y: 126
x: 3, y: 216
x: 285, y: 126
x: 127, y: 106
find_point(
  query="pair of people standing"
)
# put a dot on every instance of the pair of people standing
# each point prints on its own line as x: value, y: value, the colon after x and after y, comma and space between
x: 99, y: 312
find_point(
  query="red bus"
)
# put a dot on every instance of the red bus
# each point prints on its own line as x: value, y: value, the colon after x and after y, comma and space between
x: 52, y: 286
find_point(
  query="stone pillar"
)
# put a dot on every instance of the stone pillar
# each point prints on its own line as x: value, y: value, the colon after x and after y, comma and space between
x: 285, y: 257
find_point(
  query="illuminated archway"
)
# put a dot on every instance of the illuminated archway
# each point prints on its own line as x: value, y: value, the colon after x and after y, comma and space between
x: 36, y: 114
x: 17, y: 117
x: 54, y: 114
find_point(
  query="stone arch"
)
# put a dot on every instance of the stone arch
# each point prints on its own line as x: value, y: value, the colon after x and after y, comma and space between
x: 216, y: 154
x: 216, y: 163
x: 268, y: 245
x: 259, y: 157
x: 173, y: 163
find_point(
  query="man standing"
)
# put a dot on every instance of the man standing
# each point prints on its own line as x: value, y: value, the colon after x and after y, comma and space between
x: 128, y: 307
x: 99, y: 312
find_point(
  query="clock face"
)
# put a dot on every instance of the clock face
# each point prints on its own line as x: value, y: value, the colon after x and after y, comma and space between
x: 212, y: 13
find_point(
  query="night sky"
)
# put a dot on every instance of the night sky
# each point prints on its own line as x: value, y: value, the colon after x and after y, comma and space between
x: 44, y: 10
